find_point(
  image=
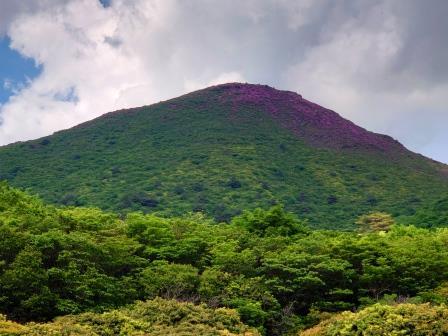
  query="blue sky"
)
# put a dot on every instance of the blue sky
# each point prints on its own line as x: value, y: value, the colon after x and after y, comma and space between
x: 105, y: 3
x: 15, y: 70
x: 382, y: 64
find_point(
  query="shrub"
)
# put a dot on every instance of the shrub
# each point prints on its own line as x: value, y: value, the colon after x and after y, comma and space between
x: 402, y: 319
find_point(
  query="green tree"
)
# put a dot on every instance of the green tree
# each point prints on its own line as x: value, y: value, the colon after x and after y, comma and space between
x: 374, y: 222
x: 173, y: 281
x: 403, y: 319
x: 274, y: 221
x: 24, y: 287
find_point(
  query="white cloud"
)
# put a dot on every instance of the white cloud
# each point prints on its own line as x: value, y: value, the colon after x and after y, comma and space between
x: 71, y: 46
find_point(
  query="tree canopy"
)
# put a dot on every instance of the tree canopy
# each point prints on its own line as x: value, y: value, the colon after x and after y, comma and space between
x: 265, y: 267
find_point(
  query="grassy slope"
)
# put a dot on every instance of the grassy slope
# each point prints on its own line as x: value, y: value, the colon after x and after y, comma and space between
x: 199, y: 152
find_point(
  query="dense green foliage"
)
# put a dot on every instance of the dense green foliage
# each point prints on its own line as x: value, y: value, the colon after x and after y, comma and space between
x: 156, y: 318
x: 266, y: 264
x: 402, y: 319
x: 202, y: 153
x: 432, y: 215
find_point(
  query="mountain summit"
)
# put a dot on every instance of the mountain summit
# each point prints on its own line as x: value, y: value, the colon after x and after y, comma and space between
x: 223, y: 149
x: 314, y: 124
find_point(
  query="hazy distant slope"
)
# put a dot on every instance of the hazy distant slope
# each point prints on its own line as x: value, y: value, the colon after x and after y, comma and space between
x: 224, y: 149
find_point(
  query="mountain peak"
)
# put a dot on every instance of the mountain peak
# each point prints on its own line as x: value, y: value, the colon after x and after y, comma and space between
x: 254, y: 92
x: 316, y: 125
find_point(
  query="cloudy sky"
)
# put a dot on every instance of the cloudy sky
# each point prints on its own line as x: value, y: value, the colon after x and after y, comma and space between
x: 381, y: 63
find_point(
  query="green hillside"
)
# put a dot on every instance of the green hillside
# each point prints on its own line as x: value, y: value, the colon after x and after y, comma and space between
x: 224, y: 149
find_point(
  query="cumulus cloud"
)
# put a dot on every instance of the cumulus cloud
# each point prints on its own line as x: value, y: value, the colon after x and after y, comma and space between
x: 10, y: 10
x: 380, y: 63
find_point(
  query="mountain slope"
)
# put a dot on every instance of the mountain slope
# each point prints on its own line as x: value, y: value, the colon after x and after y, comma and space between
x: 224, y: 149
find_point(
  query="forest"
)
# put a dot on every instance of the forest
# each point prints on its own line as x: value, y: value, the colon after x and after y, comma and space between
x: 84, y: 271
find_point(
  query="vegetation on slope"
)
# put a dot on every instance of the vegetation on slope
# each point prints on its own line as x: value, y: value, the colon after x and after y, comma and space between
x: 379, y: 319
x: 265, y: 264
x: 157, y: 317
x: 223, y: 150
x: 432, y: 215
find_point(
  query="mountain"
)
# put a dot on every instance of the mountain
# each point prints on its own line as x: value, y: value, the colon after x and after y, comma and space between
x: 223, y: 149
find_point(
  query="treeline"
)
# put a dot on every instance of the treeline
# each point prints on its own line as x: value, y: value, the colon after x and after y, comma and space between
x: 279, y: 275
